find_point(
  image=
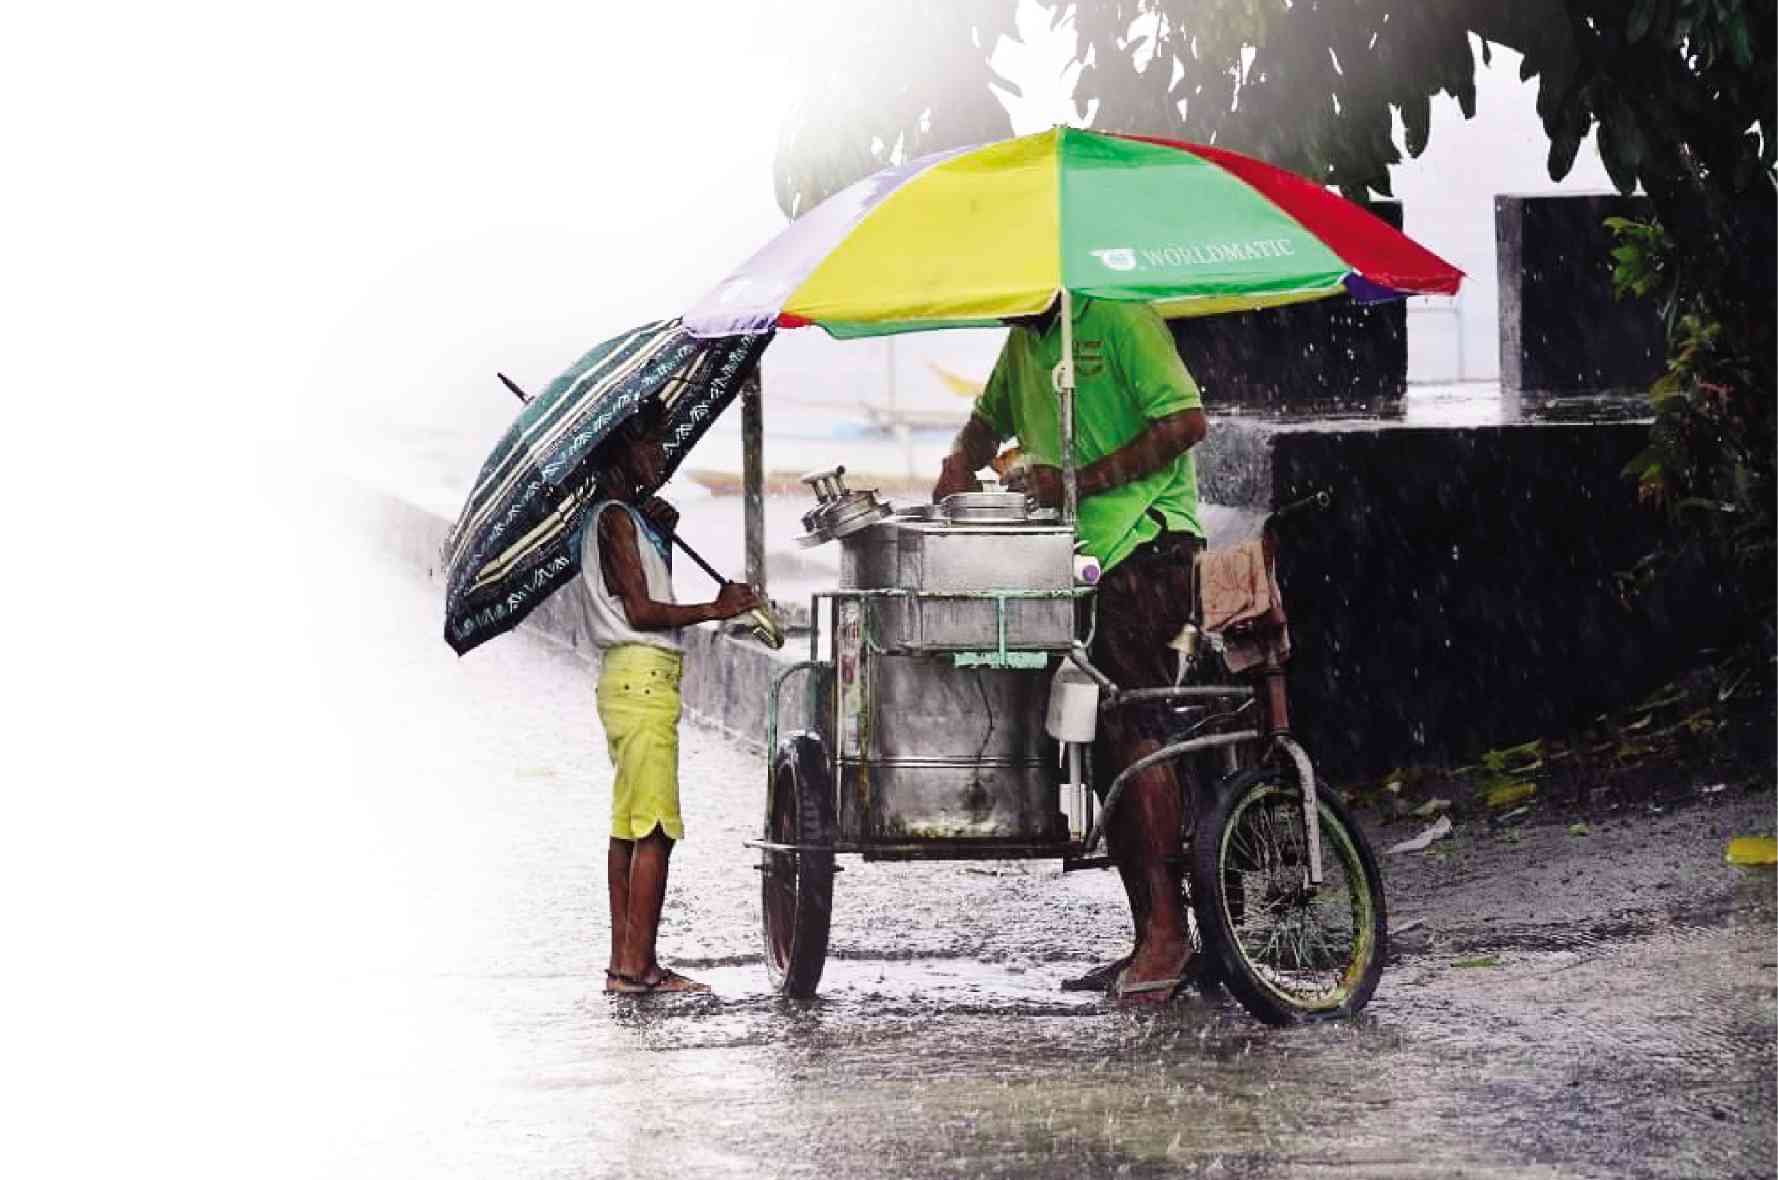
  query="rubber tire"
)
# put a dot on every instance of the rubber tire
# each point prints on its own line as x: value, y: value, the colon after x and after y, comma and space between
x: 1207, y: 888
x: 799, y: 810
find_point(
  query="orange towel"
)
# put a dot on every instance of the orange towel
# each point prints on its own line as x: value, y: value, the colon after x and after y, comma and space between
x: 1238, y: 589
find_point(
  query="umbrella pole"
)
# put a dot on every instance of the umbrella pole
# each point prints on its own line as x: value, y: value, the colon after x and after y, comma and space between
x: 753, y: 504
x: 693, y: 554
x: 1064, y: 378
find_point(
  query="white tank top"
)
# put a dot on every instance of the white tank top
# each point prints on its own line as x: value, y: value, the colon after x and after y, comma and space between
x: 605, y: 622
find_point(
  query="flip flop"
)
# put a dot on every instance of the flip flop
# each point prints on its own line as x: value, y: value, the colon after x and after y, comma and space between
x: 1100, y: 979
x: 1153, y: 991
x: 670, y: 980
x: 619, y: 984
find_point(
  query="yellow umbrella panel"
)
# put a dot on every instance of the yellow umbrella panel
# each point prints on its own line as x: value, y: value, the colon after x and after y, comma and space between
x: 970, y: 237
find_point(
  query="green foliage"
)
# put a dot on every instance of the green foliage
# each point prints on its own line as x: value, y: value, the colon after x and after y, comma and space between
x: 1313, y: 85
x: 1709, y: 461
x: 1641, y: 261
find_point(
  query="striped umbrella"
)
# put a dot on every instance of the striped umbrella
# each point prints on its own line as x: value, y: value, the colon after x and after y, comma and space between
x: 968, y: 237
x: 518, y: 537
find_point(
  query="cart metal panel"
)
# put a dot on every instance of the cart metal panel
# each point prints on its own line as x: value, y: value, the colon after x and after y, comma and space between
x: 947, y: 753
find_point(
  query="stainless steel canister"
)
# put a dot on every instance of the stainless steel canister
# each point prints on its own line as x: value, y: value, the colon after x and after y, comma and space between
x: 949, y: 754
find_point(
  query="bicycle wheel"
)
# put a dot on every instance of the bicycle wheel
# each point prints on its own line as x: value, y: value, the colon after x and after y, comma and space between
x: 1288, y: 951
x: 796, y: 888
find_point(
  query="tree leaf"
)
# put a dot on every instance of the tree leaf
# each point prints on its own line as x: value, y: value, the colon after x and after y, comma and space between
x: 1416, y: 117
x: 1644, y: 460
x: 1619, y: 161
x: 996, y: 78
x: 1742, y: 42
x: 1564, y: 145
x: 1641, y: 14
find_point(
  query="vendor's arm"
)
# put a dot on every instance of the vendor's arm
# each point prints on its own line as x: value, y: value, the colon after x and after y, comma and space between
x: 972, y: 451
x: 990, y: 421
x: 622, y: 566
x: 1148, y: 368
x: 1165, y: 440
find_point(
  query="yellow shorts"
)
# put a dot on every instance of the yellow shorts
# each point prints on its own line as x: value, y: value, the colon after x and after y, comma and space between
x: 639, y: 707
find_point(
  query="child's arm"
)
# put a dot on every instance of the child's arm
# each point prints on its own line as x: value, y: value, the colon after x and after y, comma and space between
x: 622, y: 567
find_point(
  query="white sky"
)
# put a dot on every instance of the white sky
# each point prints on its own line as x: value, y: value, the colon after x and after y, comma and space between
x: 376, y: 204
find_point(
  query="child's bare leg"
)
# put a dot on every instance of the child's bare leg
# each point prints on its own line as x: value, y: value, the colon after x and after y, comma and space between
x: 647, y: 892
x: 617, y: 874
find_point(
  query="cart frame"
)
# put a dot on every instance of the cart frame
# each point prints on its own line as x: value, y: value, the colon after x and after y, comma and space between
x: 1075, y: 853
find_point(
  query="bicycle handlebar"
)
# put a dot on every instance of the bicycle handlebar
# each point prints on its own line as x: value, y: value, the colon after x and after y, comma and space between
x: 1319, y: 499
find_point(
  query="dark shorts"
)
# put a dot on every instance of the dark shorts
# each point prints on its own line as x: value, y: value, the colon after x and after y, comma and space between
x: 1142, y: 604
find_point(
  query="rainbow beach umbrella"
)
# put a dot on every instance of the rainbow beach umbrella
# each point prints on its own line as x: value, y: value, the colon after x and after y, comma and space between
x: 966, y: 238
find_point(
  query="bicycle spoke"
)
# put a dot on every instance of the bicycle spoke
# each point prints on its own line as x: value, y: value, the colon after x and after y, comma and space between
x: 1303, y: 940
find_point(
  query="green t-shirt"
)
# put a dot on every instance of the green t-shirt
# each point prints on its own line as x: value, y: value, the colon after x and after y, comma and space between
x: 1126, y: 373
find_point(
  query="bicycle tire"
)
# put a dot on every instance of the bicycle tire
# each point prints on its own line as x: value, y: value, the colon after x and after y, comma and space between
x: 796, y: 888
x: 1277, y: 955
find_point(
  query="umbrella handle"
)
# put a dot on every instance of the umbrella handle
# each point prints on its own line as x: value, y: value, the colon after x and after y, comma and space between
x: 764, y: 627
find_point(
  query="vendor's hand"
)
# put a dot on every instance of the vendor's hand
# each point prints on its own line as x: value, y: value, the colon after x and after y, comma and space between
x: 660, y: 514
x: 954, y: 477
x: 1039, y: 481
x: 735, y: 598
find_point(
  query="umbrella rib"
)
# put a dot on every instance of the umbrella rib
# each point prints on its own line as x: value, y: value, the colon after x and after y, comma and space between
x: 488, y: 495
x: 557, y: 420
x: 499, y: 480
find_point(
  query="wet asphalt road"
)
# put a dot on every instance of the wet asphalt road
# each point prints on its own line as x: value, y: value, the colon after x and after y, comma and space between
x: 1600, y: 1007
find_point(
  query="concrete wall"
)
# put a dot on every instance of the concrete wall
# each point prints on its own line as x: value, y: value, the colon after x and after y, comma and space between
x: 1561, y: 329
x: 1462, y: 592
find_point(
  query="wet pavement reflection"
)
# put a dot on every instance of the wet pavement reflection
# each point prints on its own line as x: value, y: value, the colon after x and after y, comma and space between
x: 460, y: 1028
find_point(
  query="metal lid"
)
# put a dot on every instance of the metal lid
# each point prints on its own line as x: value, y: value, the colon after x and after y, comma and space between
x: 986, y: 507
x: 840, y: 511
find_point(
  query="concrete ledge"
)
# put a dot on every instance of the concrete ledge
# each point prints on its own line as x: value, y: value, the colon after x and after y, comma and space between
x: 1561, y: 328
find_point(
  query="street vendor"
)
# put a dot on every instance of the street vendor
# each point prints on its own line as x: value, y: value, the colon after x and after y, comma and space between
x: 1137, y: 415
x: 635, y: 623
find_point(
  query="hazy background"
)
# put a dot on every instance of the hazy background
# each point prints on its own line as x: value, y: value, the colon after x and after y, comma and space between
x: 470, y: 194
x: 357, y: 212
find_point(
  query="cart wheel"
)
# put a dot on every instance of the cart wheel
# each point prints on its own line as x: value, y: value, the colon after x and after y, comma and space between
x: 1287, y: 951
x: 796, y: 888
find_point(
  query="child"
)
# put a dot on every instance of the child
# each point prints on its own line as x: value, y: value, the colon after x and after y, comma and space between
x: 636, y: 623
